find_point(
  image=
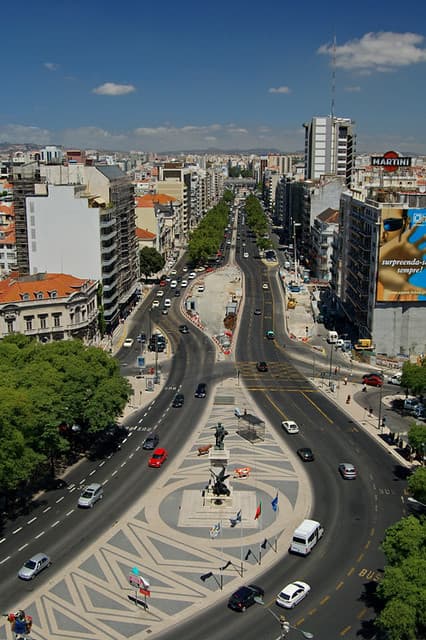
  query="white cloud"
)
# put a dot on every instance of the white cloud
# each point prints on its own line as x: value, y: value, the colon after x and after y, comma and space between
x: 21, y: 133
x: 382, y: 51
x: 354, y: 89
x: 210, y: 138
x: 51, y: 66
x: 279, y: 90
x: 113, y: 89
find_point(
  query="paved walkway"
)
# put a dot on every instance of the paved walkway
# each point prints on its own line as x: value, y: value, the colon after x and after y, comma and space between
x: 168, y: 537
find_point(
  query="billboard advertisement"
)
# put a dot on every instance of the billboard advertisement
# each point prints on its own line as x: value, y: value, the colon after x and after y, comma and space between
x: 401, y: 274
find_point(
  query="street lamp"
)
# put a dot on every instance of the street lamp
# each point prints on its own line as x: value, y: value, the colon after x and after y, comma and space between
x: 284, y: 624
x: 295, y: 224
x: 379, y: 419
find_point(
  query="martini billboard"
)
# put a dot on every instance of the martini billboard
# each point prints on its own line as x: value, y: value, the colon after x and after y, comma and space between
x: 401, y: 273
x: 390, y: 161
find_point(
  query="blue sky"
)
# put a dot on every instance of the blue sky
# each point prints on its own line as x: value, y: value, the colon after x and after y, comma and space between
x: 226, y: 75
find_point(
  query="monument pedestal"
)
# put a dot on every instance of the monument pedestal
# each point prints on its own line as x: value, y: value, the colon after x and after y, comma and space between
x: 219, y: 459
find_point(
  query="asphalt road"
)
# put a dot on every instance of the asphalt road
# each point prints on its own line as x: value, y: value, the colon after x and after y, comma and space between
x: 346, y: 565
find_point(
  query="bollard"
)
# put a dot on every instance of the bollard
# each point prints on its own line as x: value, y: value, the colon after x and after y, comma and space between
x: 348, y: 400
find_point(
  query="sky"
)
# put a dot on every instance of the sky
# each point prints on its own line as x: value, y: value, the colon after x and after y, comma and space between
x: 175, y: 76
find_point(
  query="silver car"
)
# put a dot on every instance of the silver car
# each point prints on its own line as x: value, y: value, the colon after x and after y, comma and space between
x: 347, y: 470
x: 91, y: 495
x: 33, y: 566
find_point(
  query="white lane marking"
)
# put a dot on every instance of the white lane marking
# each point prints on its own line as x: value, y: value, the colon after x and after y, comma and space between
x: 2, y: 540
x: 92, y: 472
x: 130, y: 434
x: 125, y: 440
x: 114, y: 472
x: 101, y: 464
x: 39, y: 535
x: 122, y: 464
x: 4, y: 559
x: 81, y: 481
x: 104, y: 482
x: 131, y: 456
x: 70, y: 512
x: 32, y: 520
x: 47, y: 509
x: 17, y: 530
x: 59, y: 500
x: 54, y: 524
x: 23, y: 546
x: 141, y: 420
x: 73, y: 489
x: 137, y: 448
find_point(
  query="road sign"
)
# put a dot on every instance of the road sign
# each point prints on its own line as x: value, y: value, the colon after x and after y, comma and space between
x: 138, y: 581
x: 145, y: 592
x: 141, y: 362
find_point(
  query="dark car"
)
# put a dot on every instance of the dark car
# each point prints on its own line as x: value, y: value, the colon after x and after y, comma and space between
x: 201, y: 390
x: 151, y: 442
x: 373, y: 380
x: 183, y: 328
x: 306, y: 454
x: 257, y: 311
x: 178, y: 401
x: 262, y: 366
x: 177, y: 293
x: 244, y: 597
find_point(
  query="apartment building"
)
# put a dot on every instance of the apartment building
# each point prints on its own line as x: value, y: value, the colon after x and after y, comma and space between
x: 49, y: 306
x: 80, y: 220
x: 329, y: 148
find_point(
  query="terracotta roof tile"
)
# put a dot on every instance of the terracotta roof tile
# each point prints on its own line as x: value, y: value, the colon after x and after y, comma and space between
x: 153, y: 198
x: 144, y: 234
x: 12, y: 289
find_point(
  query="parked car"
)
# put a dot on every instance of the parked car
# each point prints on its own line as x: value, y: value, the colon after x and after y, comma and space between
x: 150, y: 442
x: 347, y: 470
x: 34, y: 566
x: 292, y: 594
x: 155, y: 304
x: 201, y: 288
x: 410, y: 405
x: 184, y: 284
x: 183, y: 328
x: 167, y: 302
x: 178, y: 401
x: 192, y: 275
x: 290, y: 426
x: 160, y: 293
x: 262, y: 366
x: 270, y: 335
x: 128, y: 342
x: 244, y: 597
x: 91, y: 494
x: 395, y: 379
x: 306, y: 454
x: 201, y: 390
x: 265, y: 286
x: 177, y: 293
x: 158, y: 458
x: 373, y: 380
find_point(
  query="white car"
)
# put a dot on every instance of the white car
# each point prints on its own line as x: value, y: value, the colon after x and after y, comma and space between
x: 128, y: 342
x: 173, y: 272
x: 184, y: 284
x: 292, y: 594
x: 201, y: 288
x: 160, y: 293
x: 167, y: 302
x: 192, y: 275
x: 290, y: 426
x: 265, y: 285
x: 245, y: 254
x: 155, y: 304
x: 173, y: 284
x: 33, y: 566
x: 395, y: 379
x: 91, y: 495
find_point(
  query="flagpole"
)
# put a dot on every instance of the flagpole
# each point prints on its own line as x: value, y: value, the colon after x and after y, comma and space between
x: 241, y: 543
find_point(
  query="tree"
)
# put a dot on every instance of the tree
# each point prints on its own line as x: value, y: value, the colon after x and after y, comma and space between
x: 151, y: 261
x: 404, y: 538
x: 228, y: 196
x: 414, y: 377
x: 417, y: 437
x: 417, y: 484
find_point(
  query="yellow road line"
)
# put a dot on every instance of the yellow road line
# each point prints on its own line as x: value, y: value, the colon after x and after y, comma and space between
x: 362, y: 614
x: 360, y: 557
x: 340, y: 585
x: 324, y: 600
x: 345, y: 631
x: 350, y: 572
x: 314, y: 404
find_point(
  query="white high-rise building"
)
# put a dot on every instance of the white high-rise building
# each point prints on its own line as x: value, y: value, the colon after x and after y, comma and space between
x: 329, y: 148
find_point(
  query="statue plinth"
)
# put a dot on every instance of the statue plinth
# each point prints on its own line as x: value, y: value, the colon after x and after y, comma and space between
x: 218, y: 457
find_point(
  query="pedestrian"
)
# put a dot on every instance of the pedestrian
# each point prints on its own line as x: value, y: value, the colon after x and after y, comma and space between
x: 345, y: 380
x: 348, y: 400
x: 335, y: 371
x: 370, y: 411
x: 364, y: 388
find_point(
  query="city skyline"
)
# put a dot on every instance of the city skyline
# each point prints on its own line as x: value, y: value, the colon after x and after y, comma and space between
x: 174, y: 77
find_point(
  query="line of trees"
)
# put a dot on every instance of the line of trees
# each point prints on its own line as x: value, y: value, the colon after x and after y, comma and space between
x: 257, y: 221
x: 207, y: 238
x: 48, y: 393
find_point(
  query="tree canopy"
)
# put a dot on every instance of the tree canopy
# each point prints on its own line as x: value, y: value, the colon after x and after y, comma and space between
x: 257, y: 221
x: 46, y: 389
x: 151, y: 261
x: 403, y: 587
x: 206, y: 239
x: 417, y: 484
x: 414, y: 376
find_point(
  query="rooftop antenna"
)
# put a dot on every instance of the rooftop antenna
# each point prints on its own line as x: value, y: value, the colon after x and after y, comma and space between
x: 333, y: 76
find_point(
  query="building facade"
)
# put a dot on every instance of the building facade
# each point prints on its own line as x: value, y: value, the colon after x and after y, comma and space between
x: 329, y: 148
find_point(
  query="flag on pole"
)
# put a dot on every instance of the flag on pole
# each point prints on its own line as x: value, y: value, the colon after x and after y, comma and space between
x: 274, y: 503
x: 215, y: 530
x: 258, y: 510
x: 236, y: 520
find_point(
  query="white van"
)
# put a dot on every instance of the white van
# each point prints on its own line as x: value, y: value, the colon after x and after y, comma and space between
x: 305, y: 537
x: 332, y: 337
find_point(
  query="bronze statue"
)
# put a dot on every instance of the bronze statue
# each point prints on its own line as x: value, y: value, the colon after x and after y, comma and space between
x: 219, y: 486
x: 220, y: 435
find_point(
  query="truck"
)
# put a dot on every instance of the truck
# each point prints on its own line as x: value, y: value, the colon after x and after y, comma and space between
x: 332, y: 337
x: 364, y: 344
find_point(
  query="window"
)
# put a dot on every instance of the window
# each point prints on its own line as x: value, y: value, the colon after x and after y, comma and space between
x: 53, y: 294
x: 39, y: 295
x: 57, y: 320
x: 9, y: 326
x: 25, y: 296
x: 43, y: 322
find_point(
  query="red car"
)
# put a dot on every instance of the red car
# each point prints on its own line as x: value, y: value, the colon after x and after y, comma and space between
x: 372, y: 380
x: 158, y: 457
x: 163, y: 283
